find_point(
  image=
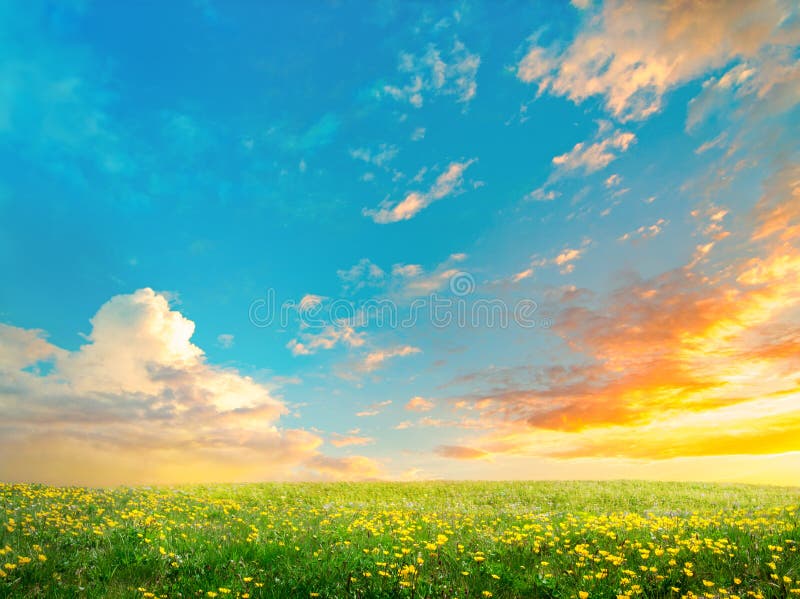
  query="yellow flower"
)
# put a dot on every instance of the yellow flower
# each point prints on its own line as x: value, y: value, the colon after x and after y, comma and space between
x: 583, y: 595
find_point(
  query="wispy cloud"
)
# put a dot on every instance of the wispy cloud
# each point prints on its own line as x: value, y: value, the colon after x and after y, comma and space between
x: 379, y: 156
x: 593, y: 157
x: 376, y: 359
x: 437, y: 73
x: 362, y: 274
x: 446, y: 184
x: 374, y: 409
x: 327, y: 337
x: 411, y: 280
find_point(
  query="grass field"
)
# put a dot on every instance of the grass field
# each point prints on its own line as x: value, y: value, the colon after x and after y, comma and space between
x: 554, y: 539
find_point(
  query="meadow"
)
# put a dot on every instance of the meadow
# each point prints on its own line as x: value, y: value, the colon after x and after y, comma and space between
x: 576, y: 540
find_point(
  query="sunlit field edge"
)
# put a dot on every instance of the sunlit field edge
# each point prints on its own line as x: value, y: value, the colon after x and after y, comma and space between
x: 429, y: 539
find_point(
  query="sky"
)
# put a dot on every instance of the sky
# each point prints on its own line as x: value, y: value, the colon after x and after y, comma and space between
x: 246, y: 241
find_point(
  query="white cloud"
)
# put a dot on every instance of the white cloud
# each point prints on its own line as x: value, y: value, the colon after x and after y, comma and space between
x: 410, y: 280
x: 632, y: 53
x: 138, y: 403
x: 439, y: 74
x: 326, y: 337
x: 593, y: 157
x: 447, y: 183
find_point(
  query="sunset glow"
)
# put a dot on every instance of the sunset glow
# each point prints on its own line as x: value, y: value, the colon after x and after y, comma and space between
x: 471, y: 240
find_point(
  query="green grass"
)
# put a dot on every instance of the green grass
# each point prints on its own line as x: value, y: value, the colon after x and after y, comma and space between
x: 514, y: 539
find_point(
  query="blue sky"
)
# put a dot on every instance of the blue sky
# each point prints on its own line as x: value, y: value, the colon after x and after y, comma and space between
x: 617, y: 165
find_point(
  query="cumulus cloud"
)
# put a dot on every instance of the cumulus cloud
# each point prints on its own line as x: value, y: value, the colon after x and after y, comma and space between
x: 437, y: 73
x: 631, y: 54
x: 446, y: 184
x: 138, y: 402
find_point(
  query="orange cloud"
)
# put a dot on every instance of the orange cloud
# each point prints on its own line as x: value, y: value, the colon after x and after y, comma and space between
x: 338, y: 440
x: 419, y: 404
x: 632, y: 53
x: 461, y: 453
x: 682, y: 364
